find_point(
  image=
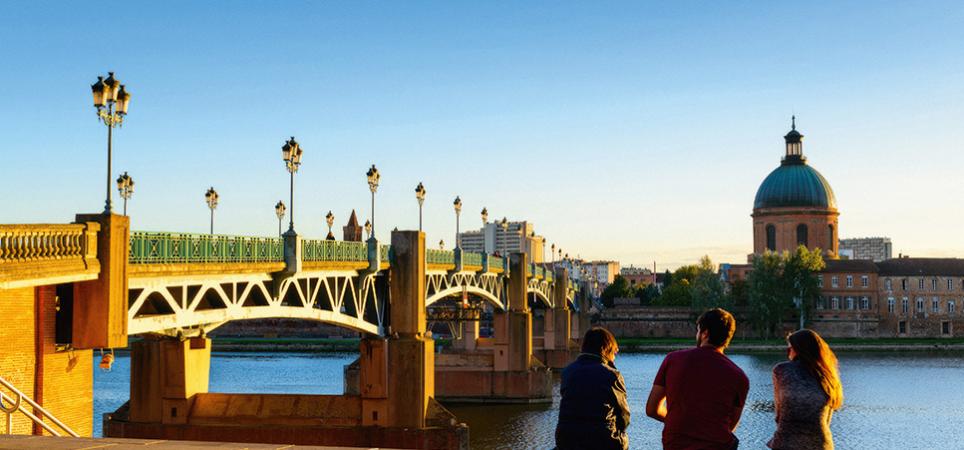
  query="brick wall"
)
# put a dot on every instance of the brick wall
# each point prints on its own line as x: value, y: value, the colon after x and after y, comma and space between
x: 62, y: 382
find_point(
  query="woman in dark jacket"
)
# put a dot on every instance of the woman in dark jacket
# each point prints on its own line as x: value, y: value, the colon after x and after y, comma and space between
x: 593, y: 413
x: 806, y: 392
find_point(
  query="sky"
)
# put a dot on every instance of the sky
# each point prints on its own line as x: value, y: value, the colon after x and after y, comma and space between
x: 633, y: 131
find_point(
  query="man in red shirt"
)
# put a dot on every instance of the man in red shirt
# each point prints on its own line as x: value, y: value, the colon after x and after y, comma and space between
x: 703, y: 390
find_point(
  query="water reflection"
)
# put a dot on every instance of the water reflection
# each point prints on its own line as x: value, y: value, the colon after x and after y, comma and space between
x: 905, y: 401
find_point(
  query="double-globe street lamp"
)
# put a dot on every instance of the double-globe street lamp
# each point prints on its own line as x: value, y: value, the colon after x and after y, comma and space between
x: 211, y: 196
x: 420, y: 196
x: 279, y: 210
x: 373, y: 178
x: 111, y: 100
x: 125, y: 186
x: 291, y: 154
x: 330, y: 219
x: 457, y: 204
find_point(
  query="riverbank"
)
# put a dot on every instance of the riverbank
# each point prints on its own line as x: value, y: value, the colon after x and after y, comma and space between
x: 626, y: 345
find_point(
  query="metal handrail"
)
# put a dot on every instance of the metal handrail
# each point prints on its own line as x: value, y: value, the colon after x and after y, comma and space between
x: 17, y: 405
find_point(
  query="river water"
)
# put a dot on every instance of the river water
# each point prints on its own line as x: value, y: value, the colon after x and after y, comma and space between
x: 892, y: 401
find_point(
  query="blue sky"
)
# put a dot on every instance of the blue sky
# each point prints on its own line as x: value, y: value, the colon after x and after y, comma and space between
x: 631, y: 131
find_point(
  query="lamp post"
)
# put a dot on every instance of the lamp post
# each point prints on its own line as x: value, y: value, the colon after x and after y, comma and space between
x: 111, y: 100
x: 420, y: 196
x: 279, y: 210
x: 330, y: 219
x: 552, y: 254
x: 291, y: 155
x: 211, y: 196
x: 125, y: 186
x: 373, y: 177
x: 485, y: 216
x: 505, y: 237
x: 457, y: 204
x: 441, y: 244
x: 368, y: 229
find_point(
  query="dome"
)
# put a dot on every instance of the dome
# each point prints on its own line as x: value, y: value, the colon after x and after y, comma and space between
x: 795, y: 183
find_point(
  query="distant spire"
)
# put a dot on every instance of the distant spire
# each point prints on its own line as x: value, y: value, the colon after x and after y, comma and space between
x: 793, y: 122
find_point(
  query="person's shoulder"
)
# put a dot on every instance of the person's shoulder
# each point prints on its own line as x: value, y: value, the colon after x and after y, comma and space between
x: 681, y: 354
x: 783, y: 367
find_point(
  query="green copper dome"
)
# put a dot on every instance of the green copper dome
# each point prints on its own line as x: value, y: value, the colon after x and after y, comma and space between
x: 794, y: 183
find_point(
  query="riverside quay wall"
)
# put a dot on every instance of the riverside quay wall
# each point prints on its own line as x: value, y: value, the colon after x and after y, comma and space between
x: 631, y: 321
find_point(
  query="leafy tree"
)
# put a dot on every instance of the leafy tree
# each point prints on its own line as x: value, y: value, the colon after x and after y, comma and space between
x: 647, y: 294
x: 706, y: 289
x: 776, y: 280
x: 619, y: 288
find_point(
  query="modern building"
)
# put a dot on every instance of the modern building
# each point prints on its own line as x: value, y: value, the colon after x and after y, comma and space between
x: 875, y: 249
x: 795, y: 205
x: 520, y: 237
x: 605, y: 271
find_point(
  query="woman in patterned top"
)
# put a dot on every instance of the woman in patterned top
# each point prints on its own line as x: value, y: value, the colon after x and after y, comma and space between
x: 806, y: 392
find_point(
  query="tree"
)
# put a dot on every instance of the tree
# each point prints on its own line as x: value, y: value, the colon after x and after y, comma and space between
x: 706, y: 289
x: 778, y: 279
x: 647, y: 294
x: 618, y: 289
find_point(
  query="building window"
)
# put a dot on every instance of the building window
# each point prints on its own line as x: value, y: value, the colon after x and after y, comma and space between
x: 850, y: 303
x: 771, y: 238
x: 822, y: 302
x: 935, y: 305
x: 902, y: 327
x: 820, y: 281
x: 920, y: 284
x: 890, y: 304
x: 864, y: 303
x: 946, y: 328
x: 903, y: 305
x: 934, y: 284
x: 864, y: 281
x: 950, y: 284
x: 802, y: 235
x: 835, y: 303
x: 903, y: 284
x: 850, y: 281
x: 920, y: 305
x: 889, y: 284
x: 834, y: 281
x: 951, y: 307
x: 830, y: 247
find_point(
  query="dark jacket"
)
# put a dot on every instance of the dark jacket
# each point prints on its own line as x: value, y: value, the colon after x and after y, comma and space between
x: 593, y: 413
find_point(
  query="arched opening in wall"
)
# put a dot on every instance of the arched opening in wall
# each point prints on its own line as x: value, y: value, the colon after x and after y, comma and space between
x: 802, y: 238
x: 830, y: 238
x: 771, y: 237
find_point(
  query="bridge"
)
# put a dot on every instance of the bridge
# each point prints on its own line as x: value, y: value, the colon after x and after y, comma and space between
x: 173, y: 289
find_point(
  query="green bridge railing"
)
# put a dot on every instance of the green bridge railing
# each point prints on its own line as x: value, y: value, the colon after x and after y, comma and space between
x: 472, y: 259
x: 324, y: 250
x: 496, y: 262
x: 158, y: 247
x: 433, y: 256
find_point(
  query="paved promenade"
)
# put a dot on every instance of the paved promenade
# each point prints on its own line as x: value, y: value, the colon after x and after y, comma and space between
x: 19, y: 442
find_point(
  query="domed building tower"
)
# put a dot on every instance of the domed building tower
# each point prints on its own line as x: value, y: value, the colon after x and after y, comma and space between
x: 795, y: 205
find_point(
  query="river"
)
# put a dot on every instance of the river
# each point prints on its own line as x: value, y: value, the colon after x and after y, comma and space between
x: 892, y: 401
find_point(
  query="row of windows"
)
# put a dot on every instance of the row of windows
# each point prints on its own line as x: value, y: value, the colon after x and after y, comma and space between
x: 803, y: 236
x: 921, y: 306
x: 889, y: 284
x: 848, y: 303
x: 835, y: 281
x: 946, y: 328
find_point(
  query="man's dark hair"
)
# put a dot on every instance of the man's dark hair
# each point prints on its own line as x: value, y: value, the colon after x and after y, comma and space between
x: 720, y: 326
x: 599, y: 341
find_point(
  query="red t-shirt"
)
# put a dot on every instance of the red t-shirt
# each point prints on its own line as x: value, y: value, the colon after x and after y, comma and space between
x: 705, y: 393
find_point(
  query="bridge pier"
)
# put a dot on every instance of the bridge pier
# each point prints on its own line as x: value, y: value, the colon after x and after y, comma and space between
x: 509, y: 373
x: 558, y: 348
x: 166, y: 375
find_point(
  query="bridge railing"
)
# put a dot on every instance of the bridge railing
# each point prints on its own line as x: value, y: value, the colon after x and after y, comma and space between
x: 42, y: 242
x: 433, y: 256
x: 496, y: 262
x: 472, y: 259
x: 159, y: 248
x: 324, y: 250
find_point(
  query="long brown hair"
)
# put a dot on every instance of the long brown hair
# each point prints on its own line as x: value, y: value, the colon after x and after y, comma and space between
x: 599, y: 341
x: 816, y: 356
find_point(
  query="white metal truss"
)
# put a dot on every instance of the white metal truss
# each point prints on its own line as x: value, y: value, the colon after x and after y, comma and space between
x: 541, y: 289
x: 440, y: 284
x: 200, y: 303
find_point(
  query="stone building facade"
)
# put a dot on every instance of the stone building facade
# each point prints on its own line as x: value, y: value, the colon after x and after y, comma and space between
x: 922, y: 297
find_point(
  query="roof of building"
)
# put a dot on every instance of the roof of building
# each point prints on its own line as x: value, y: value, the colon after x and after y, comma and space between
x: 851, y: 266
x: 922, y: 266
x: 794, y: 184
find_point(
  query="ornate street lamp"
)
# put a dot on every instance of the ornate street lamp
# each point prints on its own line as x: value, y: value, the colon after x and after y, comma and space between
x: 368, y: 229
x: 420, y: 196
x: 505, y: 237
x: 441, y: 244
x: 373, y: 177
x: 291, y: 154
x: 125, y: 186
x: 211, y: 196
x: 279, y: 210
x: 552, y: 254
x: 457, y: 204
x: 330, y: 219
x: 111, y: 100
x: 485, y: 216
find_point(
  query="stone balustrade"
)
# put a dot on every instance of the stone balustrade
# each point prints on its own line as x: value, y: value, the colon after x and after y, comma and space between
x: 32, y: 254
